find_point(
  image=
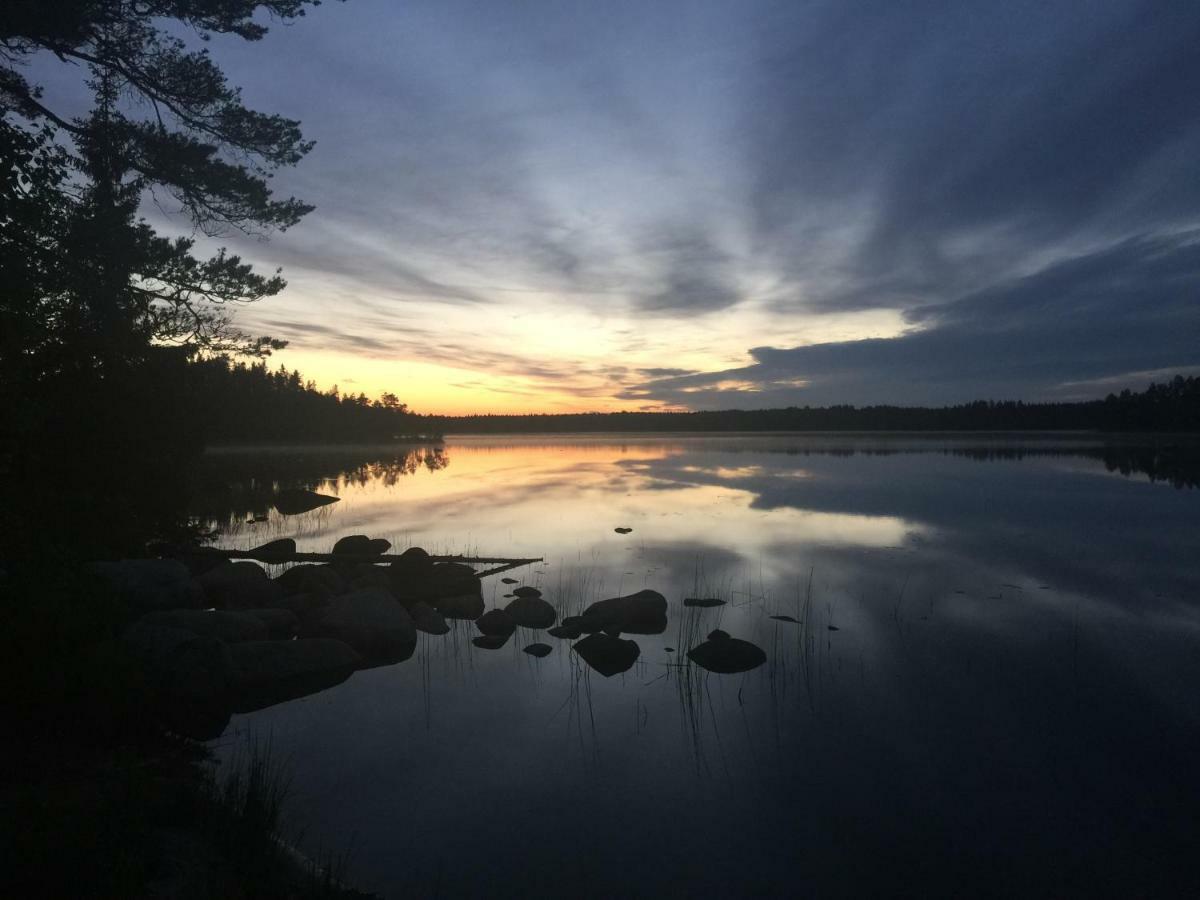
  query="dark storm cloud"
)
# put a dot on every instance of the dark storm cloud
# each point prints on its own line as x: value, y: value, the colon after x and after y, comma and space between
x: 1018, y: 180
x: 1133, y: 307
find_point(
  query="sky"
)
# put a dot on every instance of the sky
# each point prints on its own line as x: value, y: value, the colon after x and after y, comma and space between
x: 567, y: 206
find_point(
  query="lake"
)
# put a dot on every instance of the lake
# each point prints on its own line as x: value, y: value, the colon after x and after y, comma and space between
x: 990, y: 686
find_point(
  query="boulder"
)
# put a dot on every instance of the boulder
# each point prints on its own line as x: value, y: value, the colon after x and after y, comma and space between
x: 606, y: 654
x: 183, y: 664
x: 427, y: 619
x: 270, y: 672
x: 526, y: 591
x: 622, y: 530
x: 280, y: 623
x: 370, y: 621
x: 726, y: 655
x: 300, y: 605
x: 786, y: 619
x: 413, y: 561
x: 565, y: 631
x: 642, y: 613
x: 278, y: 551
x: 320, y: 581
x: 531, y: 612
x: 508, y: 581
x: 464, y: 606
x: 295, y: 501
x: 703, y: 602
x: 411, y: 585
x: 239, y: 585
x: 496, y: 622
x: 361, y: 545
x: 368, y: 576
x: 229, y: 627
x: 152, y: 583
x: 538, y: 650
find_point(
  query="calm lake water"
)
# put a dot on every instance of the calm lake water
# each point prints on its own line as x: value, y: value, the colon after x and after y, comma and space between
x: 992, y: 689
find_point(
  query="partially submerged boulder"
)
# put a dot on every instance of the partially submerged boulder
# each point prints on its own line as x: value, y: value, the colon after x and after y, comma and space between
x: 433, y: 582
x: 277, y: 551
x: 294, y: 501
x: 361, y: 545
x: 370, y: 621
x: 490, y: 641
x: 151, y: 583
x: 239, y: 585
x: 270, y: 672
x: 642, y: 613
x: 413, y: 561
x: 496, y: 622
x: 464, y: 606
x: 727, y: 655
x: 320, y: 581
x: 531, y: 612
x: 427, y: 619
x: 606, y: 654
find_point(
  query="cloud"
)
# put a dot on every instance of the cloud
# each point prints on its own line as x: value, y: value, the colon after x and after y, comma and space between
x: 1130, y: 308
x: 1014, y: 179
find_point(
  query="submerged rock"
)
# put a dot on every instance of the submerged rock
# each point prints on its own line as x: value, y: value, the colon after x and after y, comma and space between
x: 538, y: 650
x: 490, y: 641
x: 270, y: 672
x: 496, y: 622
x: 642, y: 613
x: 531, y: 612
x: 606, y: 654
x: 703, y: 603
x: 726, y: 655
x: 370, y: 621
x: 427, y: 619
x: 565, y: 631
x: 295, y: 501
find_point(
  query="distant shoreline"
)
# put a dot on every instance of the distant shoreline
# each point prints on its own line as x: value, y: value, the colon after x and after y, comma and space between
x: 1007, y: 433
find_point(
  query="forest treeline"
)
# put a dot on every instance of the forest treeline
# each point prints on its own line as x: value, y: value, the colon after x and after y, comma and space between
x: 249, y: 402
x: 1170, y: 407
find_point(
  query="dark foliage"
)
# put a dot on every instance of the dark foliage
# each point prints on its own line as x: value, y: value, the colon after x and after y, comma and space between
x: 240, y: 403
